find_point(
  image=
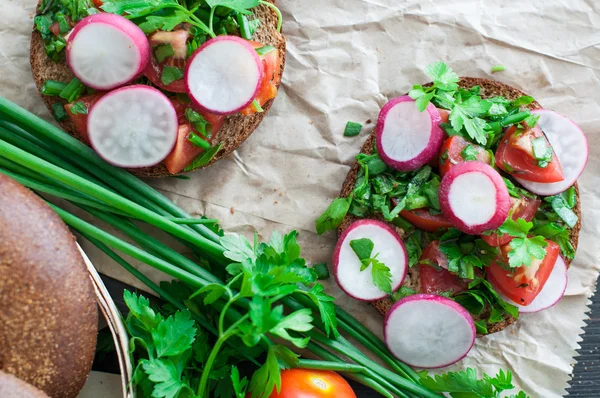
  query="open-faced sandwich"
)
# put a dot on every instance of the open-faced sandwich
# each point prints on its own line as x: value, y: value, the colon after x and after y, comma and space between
x: 160, y: 87
x: 461, y: 212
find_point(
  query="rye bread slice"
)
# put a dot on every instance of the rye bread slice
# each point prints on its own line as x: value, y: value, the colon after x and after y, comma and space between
x: 489, y: 88
x: 236, y: 129
x: 48, y: 311
x: 13, y: 387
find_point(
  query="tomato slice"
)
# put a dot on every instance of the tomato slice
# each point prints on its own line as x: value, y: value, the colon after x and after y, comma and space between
x: 523, y: 284
x: 307, y: 383
x: 422, y: 219
x: 524, y: 208
x: 434, y: 275
x: 451, y: 153
x: 271, y: 77
x: 445, y: 114
x: 80, y: 120
x: 184, y: 151
x: 178, y: 40
x: 515, y: 156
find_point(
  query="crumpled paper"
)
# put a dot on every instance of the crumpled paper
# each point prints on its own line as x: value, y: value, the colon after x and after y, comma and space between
x: 345, y: 59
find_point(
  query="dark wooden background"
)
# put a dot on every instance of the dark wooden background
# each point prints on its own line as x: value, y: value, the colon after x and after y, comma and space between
x: 586, y: 374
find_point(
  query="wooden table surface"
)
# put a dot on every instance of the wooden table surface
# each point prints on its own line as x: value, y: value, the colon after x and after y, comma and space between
x: 586, y: 374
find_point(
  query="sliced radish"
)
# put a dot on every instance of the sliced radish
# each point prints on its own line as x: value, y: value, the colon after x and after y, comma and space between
x: 428, y: 331
x: 224, y: 75
x: 570, y: 146
x: 406, y: 138
x: 359, y: 284
x: 107, y: 50
x: 474, y: 198
x: 553, y: 290
x: 134, y: 126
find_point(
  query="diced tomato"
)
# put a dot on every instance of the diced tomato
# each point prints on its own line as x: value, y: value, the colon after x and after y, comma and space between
x: 178, y: 40
x: 524, y: 208
x: 98, y: 3
x: 515, y: 156
x: 451, y: 153
x: 422, y: 219
x: 271, y: 77
x: 80, y: 120
x: 55, y: 29
x: 436, y: 278
x: 445, y: 114
x: 523, y: 284
x: 184, y: 151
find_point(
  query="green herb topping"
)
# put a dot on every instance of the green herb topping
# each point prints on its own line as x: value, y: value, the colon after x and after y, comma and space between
x: 352, y: 129
x: 523, y: 247
x: 382, y: 277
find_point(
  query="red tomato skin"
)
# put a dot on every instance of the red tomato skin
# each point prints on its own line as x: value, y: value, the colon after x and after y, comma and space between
x: 306, y: 383
x: 178, y: 40
x: 445, y: 114
x: 98, y: 3
x: 515, y: 284
x: 433, y: 280
x: 450, y: 153
x: 272, y: 76
x: 184, y: 152
x: 524, y: 208
x: 421, y: 219
x: 79, y: 120
x: 514, y: 156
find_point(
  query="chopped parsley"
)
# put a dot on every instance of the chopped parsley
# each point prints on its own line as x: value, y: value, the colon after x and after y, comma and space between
x: 79, y: 108
x: 171, y: 74
x: 163, y: 51
x: 498, y: 68
x: 469, y: 153
x: 59, y: 111
x: 542, y: 152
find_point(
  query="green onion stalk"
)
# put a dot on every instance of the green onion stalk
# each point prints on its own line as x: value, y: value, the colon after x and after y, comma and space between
x: 44, y: 158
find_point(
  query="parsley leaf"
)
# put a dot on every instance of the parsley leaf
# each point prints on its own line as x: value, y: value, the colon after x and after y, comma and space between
x: 404, y: 291
x: 363, y: 248
x: 382, y: 277
x: 298, y: 321
x: 166, y: 377
x: 523, y: 248
x: 352, y: 129
x: 174, y: 335
x: 465, y: 384
x: 326, y: 306
x: 443, y: 77
x: 171, y: 74
x: 469, y: 153
x: 242, y: 6
x: 267, y: 377
x: 239, y: 385
x: 333, y: 216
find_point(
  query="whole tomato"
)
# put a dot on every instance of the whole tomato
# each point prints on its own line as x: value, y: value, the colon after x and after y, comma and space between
x: 306, y: 383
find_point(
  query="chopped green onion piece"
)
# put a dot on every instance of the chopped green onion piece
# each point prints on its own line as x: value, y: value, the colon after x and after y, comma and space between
x: 63, y: 24
x: 79, y: 108
x: 257, y: 106
x: 73, y: 90
x: 321, y: 270
x: 196, y: 140
x: 498, y: 68
x: 163, y: 51
x: 262, y: 51
x: 171, y: 74
x: 59, y: 111
x: 244, y: 27
x: 52, y: 87
x: 204, y: 158
x: 352, y: 129
x: 199, y: 123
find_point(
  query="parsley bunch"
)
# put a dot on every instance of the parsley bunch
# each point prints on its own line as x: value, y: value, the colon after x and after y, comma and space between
x: 478, y: 120
x: 465, y: 384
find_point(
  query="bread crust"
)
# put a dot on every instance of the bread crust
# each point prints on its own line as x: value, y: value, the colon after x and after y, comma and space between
x: 236, y: 128
x: 48, y: 311
x: 489, y: 88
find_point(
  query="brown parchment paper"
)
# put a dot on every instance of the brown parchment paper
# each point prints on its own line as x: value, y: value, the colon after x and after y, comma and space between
x: 345, y: 59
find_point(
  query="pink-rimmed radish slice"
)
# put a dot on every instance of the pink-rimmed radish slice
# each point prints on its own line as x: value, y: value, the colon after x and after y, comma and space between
x: 474, y: 198
x: 106, y: 51
x: 553, y: 290
x: 406, y: 138
x: 223, y: 76
x: 359, y: 284
x: 133, y: 126
x: 571, y: 149
x: 428, y: 331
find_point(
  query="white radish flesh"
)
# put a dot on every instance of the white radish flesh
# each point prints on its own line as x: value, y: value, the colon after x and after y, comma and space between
x: 106, y: 51
x: 359, y: 284
x: 474, y: 198
x: 571, y: 149
x: 429, y: 331
x: 553, y: 290
x: 406, y: 138
x: 134, y: 126
x: 224, y: 75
